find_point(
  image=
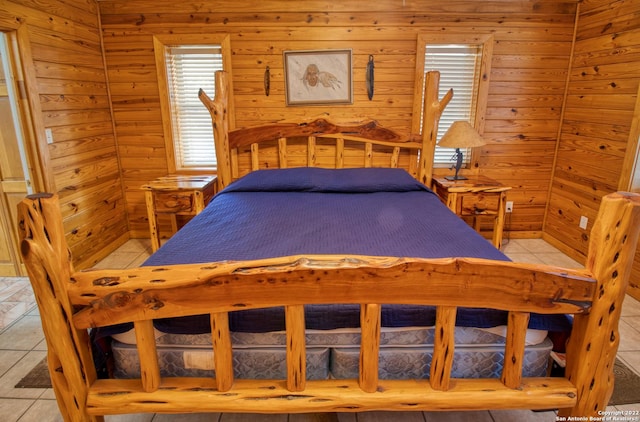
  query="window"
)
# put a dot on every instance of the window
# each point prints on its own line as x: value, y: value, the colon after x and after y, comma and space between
x: 183, y: 69
x: 461, y: 62
x: 190, y: 68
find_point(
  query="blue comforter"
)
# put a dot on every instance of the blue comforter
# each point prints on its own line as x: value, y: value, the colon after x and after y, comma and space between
x: 379, y: 212
x: 269, y: 213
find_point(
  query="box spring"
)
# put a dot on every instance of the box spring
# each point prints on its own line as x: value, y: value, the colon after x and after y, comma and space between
x: 404, y: 353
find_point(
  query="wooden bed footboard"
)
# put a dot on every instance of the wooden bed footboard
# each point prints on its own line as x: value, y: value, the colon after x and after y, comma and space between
x: 71, y: 302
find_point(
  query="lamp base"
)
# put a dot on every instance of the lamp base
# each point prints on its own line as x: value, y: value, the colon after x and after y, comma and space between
x: 458, y: 177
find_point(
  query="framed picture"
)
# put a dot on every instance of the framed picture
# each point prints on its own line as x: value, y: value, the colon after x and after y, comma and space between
x: 317, y: 77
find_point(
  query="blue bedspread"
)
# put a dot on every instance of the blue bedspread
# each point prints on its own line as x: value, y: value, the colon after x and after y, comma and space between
x: 269, y: 213
x: 380, y: 212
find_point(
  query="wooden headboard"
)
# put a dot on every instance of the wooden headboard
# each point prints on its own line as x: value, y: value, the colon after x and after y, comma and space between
x: 320, y: 143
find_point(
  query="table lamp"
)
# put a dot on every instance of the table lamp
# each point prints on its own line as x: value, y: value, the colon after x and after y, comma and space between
x: 460, y: 135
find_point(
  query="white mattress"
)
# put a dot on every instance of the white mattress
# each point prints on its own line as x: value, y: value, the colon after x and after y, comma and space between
x: 396, y: 336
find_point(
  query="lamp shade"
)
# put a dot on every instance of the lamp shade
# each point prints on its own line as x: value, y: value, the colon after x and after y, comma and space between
x: 461, y: 135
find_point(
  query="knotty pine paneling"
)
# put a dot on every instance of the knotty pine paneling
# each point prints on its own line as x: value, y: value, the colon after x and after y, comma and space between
x: 533, y: 41
x: 529, y: 71
x: 601, y: 96
x: 69, y: 88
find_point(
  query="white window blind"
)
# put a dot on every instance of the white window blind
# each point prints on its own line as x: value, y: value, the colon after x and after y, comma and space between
x: 190, y: 68
x: 459, y: 67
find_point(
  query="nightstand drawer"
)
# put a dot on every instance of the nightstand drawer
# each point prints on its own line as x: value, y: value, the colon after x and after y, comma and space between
x: 174, y: 202
x: 478, y: 203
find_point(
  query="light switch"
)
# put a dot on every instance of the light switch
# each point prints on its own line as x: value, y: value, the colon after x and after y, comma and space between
x: 49, y: 135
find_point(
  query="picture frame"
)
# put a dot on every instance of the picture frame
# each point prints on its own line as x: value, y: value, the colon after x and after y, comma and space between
x: 318, y: 77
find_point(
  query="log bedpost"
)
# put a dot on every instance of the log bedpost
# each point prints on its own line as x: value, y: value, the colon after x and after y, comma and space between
x: 591, y: 351
x: 44, y: 251
x: 218, y: 108
x: 432, y: 110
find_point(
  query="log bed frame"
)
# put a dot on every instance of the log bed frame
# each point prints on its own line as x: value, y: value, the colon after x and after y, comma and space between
x: 70, y: 301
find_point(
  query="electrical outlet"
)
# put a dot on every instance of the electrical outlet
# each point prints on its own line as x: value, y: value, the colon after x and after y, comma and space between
x: 583, y: 222
x: 509, y: 207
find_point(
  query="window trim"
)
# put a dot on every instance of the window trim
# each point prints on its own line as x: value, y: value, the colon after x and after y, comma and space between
x: 426, y: 38
x: 160, y: 43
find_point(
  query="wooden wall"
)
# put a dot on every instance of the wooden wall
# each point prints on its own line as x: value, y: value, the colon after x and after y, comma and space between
x: 533, y: 41
x: 595, y: 139
x: 72, y: 92
x: 60, y: 43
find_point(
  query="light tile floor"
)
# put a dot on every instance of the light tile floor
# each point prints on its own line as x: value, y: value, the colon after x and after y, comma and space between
x: 22, y: 346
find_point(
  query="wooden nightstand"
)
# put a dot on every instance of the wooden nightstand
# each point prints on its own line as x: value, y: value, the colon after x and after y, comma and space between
x: 175, y: 195
x: 475, y: 197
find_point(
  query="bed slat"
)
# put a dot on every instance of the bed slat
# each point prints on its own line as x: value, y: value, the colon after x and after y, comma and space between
x: 370, y: 316
x: 311, y: 151
x: 222, y: 354
x: 339, y: 153
x: 296, y: 352
x: 234, y: 167
x: 395, y: 157
x: 149, y: 368
x: 368, y: 154
x: 443, y: 347
x: 282, y: 152
x: 255, y: 160
x: 514, y: 349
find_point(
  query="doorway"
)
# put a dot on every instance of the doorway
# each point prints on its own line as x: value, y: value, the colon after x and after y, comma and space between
x: 630, y: 179
x: 635, y: 175
x: 15, y: 178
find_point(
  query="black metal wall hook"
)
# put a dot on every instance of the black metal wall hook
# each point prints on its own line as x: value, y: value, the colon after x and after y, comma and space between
x: 370, y: 77
x: 267, y: 81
